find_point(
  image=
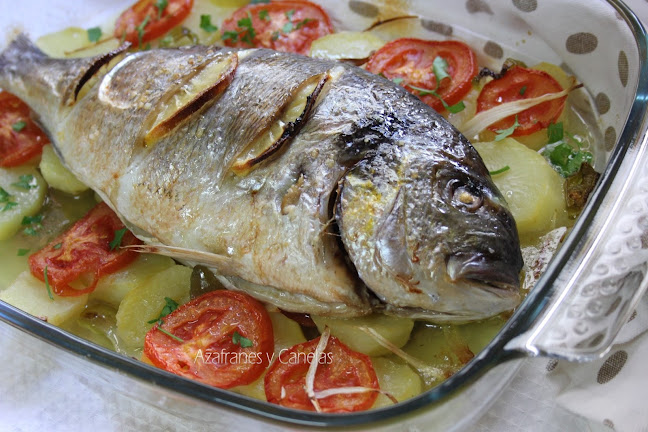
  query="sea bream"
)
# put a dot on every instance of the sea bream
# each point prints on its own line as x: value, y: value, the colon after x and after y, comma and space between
x: 312, y: 185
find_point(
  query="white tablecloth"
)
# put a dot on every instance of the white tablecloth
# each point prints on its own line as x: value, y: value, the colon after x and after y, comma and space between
x: 37, y: 393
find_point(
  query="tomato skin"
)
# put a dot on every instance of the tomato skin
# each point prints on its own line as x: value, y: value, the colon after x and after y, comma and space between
x: 339, y: 367
x: 411, y: 60
x: 298, y: 40
x: 521, y: 83
x: 208, y: 353
x: 18, y: 147
x: 84, y: 250
x: 174, y: 13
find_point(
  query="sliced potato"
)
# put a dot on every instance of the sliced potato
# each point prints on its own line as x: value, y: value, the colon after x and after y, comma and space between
x: 531, y: 187
x: 396, y: 378
x: 56, y: 175
x: 22, y: 194
x: 113, y: 288
x: 74, y: 42
x: 145, y: 302
x: 395, y: 329
x: 346, y: 45
x: 12, y: 264
x: 30, y: 294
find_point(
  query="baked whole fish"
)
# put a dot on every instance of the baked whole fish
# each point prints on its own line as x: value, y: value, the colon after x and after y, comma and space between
x: 311, y: 185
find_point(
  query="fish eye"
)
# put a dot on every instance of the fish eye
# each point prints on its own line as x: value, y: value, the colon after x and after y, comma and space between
x: 468, y: 199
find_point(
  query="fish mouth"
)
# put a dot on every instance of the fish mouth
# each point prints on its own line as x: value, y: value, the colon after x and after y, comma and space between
x: 497, y: 274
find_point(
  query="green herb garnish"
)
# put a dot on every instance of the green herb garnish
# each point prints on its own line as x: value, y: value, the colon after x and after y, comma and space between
x: 562, y: 156
x: 18, y: 126
x: 523, y: 90
x: 289, y: 14
x: 170, y: 334
x: 32, y: 231
x: 140, y: 30
x: 263, y: 14
x: 503, y: 133
x: 500, y: 171
x: 116, y: 241
x: 9, y: 205
x: 302, y: 23
x: 23, y: 252
x: 161, y: 5
x: 249, y: 33
x: 440, y: 69
x: 4, y: 195
x: 169, y: 307
x: 25, y: 181
x: 47, y: 285
x: 275, y: 35
x: 230, y: 35
x: 205, y: 24
x: 29, y: 220
x: 397, y: 80
x: 259, y: 1
x: 94, y: 34
x: 288, y: 27
x: 244, y: 342
x: 57, y: 246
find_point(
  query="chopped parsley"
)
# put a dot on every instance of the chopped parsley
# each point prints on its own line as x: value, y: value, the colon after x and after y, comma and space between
x: 302, y: 23
x: 6, y: 199
x: 440, y: 69
x: 397, y: 80
x: 564, y: 158
x: 23, y: 252
x: 230, y: 35
x: 287, y: 28
x: 29, y: 220
x: 116, y: 241
x: 523, y: 90
x: 161, y: 5
x: 275, y: 35
x: 206, y: 24
x: 33, y: 224
x: 25, y: 181
x: 504, y: 133
x: 94, y: 34
x: 259, y: 1
x: 248, y: 33
x: 47, y: 285
x: 243, y: 342
x: 500, y: 171
x: 263, y: 15
x: 57, y: 246
x: 19, y: 125
x: 140, y: 30
x: 170, y: 306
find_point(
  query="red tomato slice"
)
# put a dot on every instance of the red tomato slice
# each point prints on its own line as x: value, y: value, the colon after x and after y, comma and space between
x: 338, y: 367
x: 289, y: 26
x: 209, y: 352
x: 522, y: 83
x: 83, y: 254
x: 20, y: 138
x: 129, y: 24
x: 411, y: 60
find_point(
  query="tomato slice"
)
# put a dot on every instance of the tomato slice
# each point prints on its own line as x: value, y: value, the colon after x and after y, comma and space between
x: 20, y: 138
x: 522, y: 83
x: 143, y: 21
x: 83, y: 254
x: 289, y: 26
x: 411, y: 60
x: 339, y: 366
x: 227, y: 340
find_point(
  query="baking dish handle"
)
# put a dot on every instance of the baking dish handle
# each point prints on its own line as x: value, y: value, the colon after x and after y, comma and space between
x: 604, y: 275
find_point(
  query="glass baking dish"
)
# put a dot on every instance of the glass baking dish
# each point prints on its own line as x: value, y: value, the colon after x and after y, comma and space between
x: 578, y: 305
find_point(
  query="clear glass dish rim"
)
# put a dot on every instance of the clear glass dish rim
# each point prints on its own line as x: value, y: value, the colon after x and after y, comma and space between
x: 492, y: 355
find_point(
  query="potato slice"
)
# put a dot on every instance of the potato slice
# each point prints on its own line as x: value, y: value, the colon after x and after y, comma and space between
x: 30, y: 294
x: 114, y: 287
x: 395, y: 329
x: 531, y: 187
x: 22, y: 194
x: 145, y: 302
x: 396, y: 378
x: 346, y: 45
x: 57, y: 175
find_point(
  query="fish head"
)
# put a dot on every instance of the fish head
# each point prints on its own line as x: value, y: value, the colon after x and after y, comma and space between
x: 430, y: 234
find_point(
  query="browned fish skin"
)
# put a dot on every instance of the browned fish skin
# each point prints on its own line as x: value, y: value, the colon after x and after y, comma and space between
x: 421, y: 221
